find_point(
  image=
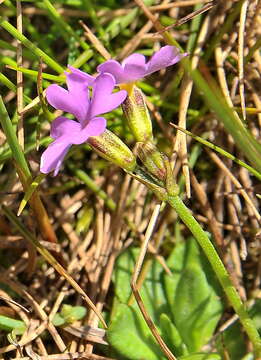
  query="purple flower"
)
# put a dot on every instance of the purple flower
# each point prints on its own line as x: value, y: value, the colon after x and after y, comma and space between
x: 76, y: 100
x: 134, y: 67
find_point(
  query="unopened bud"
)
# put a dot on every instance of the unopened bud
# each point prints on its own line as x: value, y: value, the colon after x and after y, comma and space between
x: 152, y: 159
x: 137, y: 114
x: 111, y: 148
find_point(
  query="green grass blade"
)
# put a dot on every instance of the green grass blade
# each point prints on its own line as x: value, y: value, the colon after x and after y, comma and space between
x: 34, y: 74
x: 6, y: 155
x: 215, y: 100
x: 80, y: 174
x: 11, y: 86
x: 220, y: 151
x: 12, y: 141
x: 28, y: 44
x: 63, y: 26
x: 9, y: 324
x: 89, y: 7
x: 83, y: 58
x: 29, y: 192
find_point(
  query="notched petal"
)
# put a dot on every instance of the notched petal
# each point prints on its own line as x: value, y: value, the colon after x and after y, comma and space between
x: 103, y: 100
x: 166, y: 56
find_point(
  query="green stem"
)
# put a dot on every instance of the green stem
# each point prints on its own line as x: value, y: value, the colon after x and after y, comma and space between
x: 219, y: 269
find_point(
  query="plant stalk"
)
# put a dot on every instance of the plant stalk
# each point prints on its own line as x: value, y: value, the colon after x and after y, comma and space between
x: 219, y: 269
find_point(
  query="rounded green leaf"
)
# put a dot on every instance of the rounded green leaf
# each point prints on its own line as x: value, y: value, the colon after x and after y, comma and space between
x: 130, y: 337
x: 191, y: 291
x: 201, y: 356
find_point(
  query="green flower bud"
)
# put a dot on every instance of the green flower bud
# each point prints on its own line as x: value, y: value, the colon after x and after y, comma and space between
x: 111, y: 148
x: 152, y: 159
x: 137, y: 114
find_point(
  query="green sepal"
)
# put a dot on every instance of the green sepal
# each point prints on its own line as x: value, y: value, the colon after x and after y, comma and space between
x: 135, y: 109
x: 111, y: 148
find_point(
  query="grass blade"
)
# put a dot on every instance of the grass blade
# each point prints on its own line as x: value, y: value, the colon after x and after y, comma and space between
x: 27, y: 43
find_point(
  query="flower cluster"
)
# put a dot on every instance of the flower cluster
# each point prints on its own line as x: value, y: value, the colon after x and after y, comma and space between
x: 87, y: 109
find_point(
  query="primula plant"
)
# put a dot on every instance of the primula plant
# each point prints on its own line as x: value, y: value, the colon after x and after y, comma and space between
x: 154, y: 272
x: 157, y: 177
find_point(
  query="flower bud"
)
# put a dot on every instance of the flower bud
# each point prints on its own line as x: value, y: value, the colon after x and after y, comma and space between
x: 111, y: 148
x: 137, y: 114
x: 152, y: 159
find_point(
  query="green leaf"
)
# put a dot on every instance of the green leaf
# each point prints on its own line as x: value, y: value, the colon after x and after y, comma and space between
x: 10, y: 324
x: 69, y: 314
x: 201, y: 356
x: 171, y: 336
x: 72, y: 313
x: 152, y: 291
x: 130, y: 336
x: 232, y: 339
x: 84, y: 219
x: 192, y: 295
x: 58, y: 320
x: 128, y: 332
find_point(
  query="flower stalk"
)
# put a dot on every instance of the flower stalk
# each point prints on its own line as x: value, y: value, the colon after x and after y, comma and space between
x: 200, y: 235
x: 177, y: 204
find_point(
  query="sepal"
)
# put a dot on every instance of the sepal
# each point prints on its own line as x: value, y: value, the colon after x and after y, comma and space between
x: 111, y: 148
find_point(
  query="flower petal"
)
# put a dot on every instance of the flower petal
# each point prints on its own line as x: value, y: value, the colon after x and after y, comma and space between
x: 63, y: 126
x: 103, y: 100
x: 66, y: 133
x: 78, y: 79
x: 134, y: 67
x: 166, y: 56
x: 76, y: 103
x: 75, y: 100
x: 73, y: 132
x: 114, y: 68
x: 95, y: 127
x: 52, y: 157
x: 135, y: 59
